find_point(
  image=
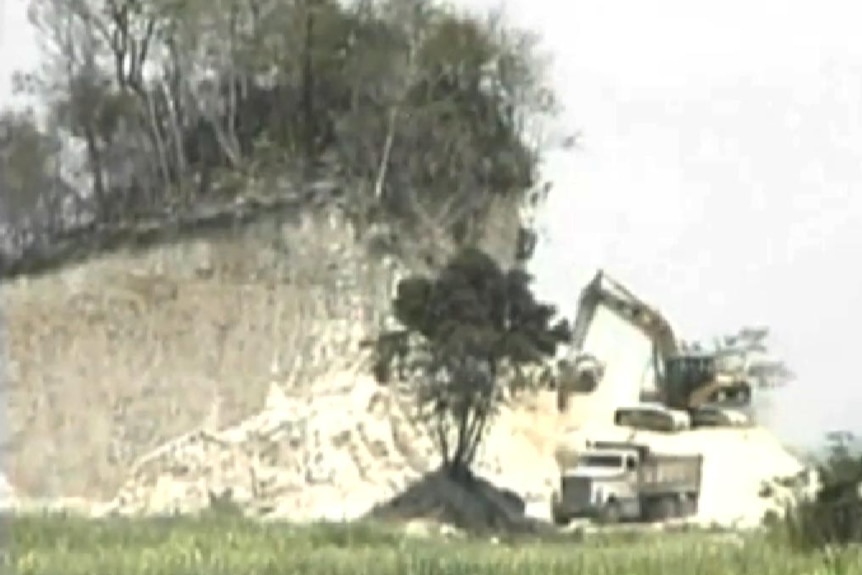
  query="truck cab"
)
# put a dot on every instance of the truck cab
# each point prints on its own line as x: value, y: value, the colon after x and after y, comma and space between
x: 602, y: 484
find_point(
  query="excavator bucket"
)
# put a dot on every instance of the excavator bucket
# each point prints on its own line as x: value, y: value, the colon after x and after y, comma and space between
x: 581, y: 376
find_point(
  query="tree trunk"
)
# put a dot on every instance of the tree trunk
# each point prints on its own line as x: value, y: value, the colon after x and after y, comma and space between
x: 459, y: 472
x: 94, y: 155
x: 308, y: 119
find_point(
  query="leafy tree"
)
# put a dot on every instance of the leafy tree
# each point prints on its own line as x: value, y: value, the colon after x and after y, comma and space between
x: 32, y: 191
x: 426, y: 115
x: 834, y: 516
x: 465, y: 337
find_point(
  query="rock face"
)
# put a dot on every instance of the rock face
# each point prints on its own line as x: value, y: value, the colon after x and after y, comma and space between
x: 109, y: 358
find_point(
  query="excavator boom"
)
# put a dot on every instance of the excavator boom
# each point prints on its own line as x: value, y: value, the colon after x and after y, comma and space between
x: 606, y: 291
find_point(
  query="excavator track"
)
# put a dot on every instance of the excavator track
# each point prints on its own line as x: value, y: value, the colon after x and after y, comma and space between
x: 650, y: 417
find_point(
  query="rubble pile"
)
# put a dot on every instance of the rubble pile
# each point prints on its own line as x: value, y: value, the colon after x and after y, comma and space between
x: 348, y: 447
x: 342, y: 449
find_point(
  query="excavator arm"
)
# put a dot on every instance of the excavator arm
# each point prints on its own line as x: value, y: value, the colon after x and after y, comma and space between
x: 603, y: 291
x: 607, y: 292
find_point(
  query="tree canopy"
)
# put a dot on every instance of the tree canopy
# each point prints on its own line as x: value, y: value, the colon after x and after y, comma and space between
x: 425, y: 115
x: 833, y: 517
x: 463, y: 337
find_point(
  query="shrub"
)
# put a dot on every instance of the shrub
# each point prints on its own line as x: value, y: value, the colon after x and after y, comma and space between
x: 834, y: 516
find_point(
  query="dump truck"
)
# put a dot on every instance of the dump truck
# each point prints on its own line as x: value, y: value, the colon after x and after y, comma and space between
x: 613, y: 482
x: 693, y: 387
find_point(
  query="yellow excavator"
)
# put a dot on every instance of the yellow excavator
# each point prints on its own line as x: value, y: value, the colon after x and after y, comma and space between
x: 693, y: 388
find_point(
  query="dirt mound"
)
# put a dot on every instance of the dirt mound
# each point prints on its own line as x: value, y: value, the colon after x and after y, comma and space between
x: 472, y: 504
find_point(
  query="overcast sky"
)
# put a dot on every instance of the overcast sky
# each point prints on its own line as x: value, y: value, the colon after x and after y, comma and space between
x: 719, y: 173
x: 720, y: 176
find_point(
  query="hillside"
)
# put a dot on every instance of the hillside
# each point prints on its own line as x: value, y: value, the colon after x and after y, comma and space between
x: 111, y: 356
x: 164, y: 379
x: 375, y: 129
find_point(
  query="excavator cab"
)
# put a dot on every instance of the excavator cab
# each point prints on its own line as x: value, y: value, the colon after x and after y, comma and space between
x: 692, y: 380
x: 685, y: 373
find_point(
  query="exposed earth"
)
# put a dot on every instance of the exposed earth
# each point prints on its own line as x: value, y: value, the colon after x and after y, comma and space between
x: 170, y: 381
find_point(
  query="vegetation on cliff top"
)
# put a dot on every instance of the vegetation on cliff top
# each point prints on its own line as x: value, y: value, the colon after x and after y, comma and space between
x: 423, y: 116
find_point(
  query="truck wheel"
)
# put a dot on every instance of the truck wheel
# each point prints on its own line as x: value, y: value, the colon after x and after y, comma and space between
x: 611, y: 512
x: 559, y: 519
x: 668, y: 508
x: 688, y: 506
x: 662, y: 509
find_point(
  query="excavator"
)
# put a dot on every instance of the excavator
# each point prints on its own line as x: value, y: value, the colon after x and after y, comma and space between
x: 694, y: 388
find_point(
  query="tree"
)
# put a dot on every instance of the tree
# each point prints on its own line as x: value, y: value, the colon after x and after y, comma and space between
x: 464, y: 338
x: 747, y: 350
x: 427, y: 115
x: 32, y: 191
x: 834, y: 516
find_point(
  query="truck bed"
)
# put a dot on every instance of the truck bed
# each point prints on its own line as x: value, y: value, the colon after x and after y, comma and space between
x: 661, y: 473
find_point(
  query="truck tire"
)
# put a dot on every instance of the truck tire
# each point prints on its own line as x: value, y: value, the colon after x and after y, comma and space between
x: 688, y: 506
x: 662, y: 509
x: 669, y: 508
x: 559, y: 518
x: 611, y: 512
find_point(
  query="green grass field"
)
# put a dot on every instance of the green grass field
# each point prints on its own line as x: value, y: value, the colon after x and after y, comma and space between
x: 52, y: 545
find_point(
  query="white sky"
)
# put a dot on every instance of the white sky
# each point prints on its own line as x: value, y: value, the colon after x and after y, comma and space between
x: 719, y: 174
x: 17, y: 45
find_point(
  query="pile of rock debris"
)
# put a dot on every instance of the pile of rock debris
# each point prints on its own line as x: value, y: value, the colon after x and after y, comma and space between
x: 349, y: 448
x: 341, y: 451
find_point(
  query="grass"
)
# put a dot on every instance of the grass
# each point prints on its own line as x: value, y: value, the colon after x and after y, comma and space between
x: 51, y: 545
